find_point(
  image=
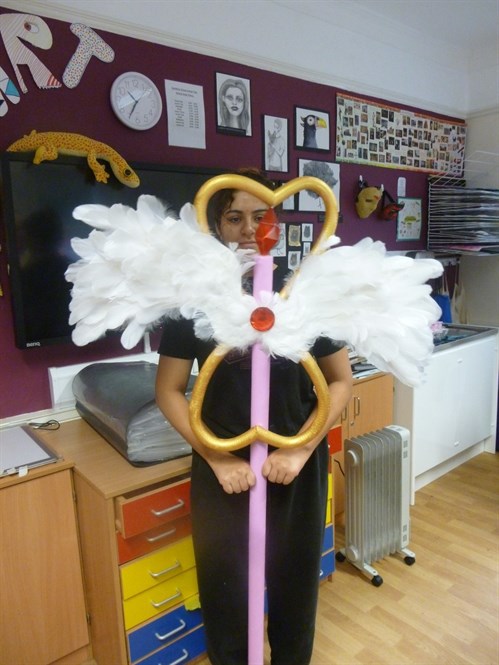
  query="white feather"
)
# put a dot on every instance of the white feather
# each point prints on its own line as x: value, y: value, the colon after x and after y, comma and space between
x: 138, y: 266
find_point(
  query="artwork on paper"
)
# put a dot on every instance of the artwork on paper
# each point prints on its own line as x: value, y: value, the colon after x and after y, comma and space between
x: 279, y: 249
x: 233, y: 105
x: 329, y: 172
x: 409, y: 219
x: 312, y: 129
x: 381, y: 135
x: 275, y: 144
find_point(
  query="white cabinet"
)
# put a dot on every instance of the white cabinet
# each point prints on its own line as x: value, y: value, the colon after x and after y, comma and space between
x: 454, y: 409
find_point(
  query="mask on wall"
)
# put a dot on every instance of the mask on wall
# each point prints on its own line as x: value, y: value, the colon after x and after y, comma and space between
x: 367, y: 199
x: 389, y: 207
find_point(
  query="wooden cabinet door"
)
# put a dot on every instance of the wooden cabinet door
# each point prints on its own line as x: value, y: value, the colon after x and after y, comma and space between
x: 371, y: 406
x: 42, y: 615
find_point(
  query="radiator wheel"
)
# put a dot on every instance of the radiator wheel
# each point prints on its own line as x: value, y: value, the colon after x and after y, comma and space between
x: 409, y: 560
x: 377, y: 580
x: 340, y: 557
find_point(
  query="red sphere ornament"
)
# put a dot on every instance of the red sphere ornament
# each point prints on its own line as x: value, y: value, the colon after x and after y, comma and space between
x: 262, y: 319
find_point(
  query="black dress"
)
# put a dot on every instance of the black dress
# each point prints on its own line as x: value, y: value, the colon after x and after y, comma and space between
x: 295, y: 512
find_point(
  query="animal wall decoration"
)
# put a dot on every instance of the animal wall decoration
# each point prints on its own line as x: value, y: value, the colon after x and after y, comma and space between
x: 48, y: 146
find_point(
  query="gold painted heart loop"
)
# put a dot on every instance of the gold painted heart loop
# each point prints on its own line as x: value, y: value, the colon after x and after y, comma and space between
x: 271, y: 198
x: 256, y: 433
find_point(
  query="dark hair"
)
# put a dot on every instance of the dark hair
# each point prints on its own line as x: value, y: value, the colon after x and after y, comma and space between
x: 223, y: 199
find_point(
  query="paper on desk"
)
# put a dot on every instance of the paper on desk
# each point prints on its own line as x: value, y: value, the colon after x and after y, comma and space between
x: 19, y: 449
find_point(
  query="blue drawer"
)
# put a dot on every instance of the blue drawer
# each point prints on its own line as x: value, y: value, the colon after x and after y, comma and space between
x: 327, y: 565
x: 164, y: 630
x: 180, y: 652
x: 328, y: 542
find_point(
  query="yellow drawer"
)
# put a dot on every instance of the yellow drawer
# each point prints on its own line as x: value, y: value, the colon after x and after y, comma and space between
x: 154, y: 601
x: 155, y: 568
x: 329, y: 511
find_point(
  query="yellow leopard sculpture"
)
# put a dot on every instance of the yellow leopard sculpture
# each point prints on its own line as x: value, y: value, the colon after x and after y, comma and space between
x: 49, y: 145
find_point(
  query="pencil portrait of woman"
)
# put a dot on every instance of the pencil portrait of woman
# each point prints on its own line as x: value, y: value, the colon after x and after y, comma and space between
x: 233, y: 105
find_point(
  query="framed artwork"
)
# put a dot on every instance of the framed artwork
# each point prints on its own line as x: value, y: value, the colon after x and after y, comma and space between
x: 329, y: 172
x: 233, y: 105
x: 275, y: 144
x: 312, y: 129
x: 409, y: 219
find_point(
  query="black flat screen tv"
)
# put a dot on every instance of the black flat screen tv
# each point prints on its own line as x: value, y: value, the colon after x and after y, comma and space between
x: 37, y: 205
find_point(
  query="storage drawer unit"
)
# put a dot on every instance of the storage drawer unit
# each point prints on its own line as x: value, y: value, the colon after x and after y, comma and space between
x: 130, y: 521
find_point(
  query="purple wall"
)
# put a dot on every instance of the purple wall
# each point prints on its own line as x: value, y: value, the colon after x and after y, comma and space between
x: 86, y: 110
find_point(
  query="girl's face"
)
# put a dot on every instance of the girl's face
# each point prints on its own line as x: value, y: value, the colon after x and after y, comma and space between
x: 240, y: 220
x: 234, y: 101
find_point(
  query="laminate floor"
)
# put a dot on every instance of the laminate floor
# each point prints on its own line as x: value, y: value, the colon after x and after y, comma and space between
x: 444, y: 609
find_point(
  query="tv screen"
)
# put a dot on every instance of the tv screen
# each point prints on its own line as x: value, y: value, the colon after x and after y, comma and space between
x: 38, y: 202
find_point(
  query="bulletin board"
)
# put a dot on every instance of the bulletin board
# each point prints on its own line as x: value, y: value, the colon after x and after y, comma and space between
x: 371, y: 133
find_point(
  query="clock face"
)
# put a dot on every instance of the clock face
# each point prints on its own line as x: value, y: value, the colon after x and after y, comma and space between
x: 136, y: 100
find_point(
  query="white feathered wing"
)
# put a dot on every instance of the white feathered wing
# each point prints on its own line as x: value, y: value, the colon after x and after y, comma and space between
x: 139, y: 266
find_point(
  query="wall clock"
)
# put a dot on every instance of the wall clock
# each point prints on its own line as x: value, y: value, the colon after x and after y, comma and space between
x: 136, y: 100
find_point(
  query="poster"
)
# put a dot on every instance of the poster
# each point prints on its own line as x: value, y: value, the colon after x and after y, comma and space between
x: 409, y: 219
x: 186, y: 118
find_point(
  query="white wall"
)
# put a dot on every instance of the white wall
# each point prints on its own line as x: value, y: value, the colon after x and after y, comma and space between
x: 482, y: 150
x: 328, y: 41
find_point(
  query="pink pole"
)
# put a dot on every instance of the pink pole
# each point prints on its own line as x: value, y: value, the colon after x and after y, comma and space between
x: 260, y: 388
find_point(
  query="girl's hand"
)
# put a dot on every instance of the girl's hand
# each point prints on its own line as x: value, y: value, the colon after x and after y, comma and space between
x: 232, y: 472
x: 284, y: 464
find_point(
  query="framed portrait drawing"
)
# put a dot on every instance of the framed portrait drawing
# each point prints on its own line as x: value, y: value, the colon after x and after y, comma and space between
x: 329, y: 172
x: 233, y: 105
x: 312, y: 129
x: 275, y: 144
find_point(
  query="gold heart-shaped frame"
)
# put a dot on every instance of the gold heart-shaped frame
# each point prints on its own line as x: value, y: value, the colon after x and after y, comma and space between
x: 257, y: 433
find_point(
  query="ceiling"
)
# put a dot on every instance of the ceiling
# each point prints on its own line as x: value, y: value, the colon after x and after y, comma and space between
x: 471, y: 24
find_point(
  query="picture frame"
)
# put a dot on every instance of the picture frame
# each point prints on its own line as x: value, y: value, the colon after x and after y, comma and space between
x: 275, y: 136
x: 329, y: 172
x: 312, y: 129
x: 409, y: 219
x: 233, y: 95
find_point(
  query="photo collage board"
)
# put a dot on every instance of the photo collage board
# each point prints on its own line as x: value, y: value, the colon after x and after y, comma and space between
x: 382, y: 135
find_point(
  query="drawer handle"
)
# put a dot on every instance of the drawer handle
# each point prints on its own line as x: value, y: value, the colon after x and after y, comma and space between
x: 173, y: 632
x: 166, y: 570
x: 160, y: 536
x: 160, y: 513
x: 182, y: 659
x: 177, y: 594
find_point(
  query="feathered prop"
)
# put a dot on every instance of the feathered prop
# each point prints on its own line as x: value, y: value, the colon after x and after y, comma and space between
x: 138, y: 266
x: 141, y: 265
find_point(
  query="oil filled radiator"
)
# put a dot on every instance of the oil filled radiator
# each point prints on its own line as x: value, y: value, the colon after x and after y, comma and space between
x: 377, y: 495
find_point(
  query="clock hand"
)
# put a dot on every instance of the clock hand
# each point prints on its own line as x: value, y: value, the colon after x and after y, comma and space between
x: 145, y: 93
x: 133, y: 108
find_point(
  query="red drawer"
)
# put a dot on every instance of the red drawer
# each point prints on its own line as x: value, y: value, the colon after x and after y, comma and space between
x: 131, y: 548
x: 147, y: 511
